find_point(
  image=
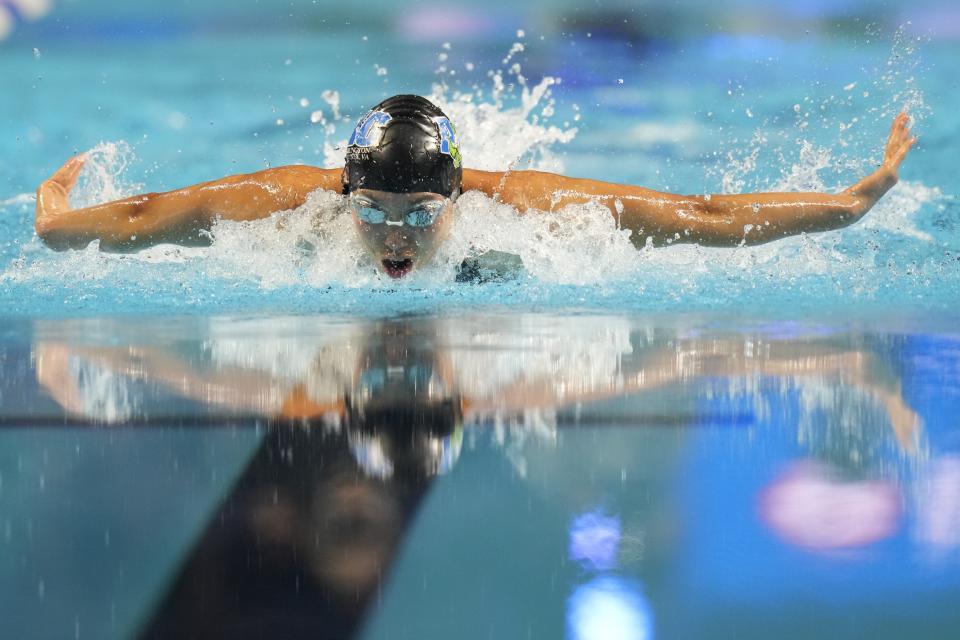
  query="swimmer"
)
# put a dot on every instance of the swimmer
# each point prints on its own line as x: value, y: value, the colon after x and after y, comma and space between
x: 402, y: 175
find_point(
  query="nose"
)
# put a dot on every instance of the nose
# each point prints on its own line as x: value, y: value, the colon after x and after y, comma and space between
x: 395, y: 239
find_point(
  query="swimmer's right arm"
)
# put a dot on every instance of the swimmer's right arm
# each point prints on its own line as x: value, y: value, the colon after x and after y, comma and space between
x: 180, y: 216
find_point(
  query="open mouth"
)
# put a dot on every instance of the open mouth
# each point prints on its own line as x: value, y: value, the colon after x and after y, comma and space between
x: 397, y: 268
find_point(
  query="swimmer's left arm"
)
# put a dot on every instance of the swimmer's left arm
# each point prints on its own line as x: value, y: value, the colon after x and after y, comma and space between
x: 762, y: 217
x: 719, y: 220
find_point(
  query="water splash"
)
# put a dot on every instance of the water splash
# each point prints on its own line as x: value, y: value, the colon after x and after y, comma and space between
x: 104, y: 175
x: 18, y: 200
x: 311, y: 258
x: 850, y: 121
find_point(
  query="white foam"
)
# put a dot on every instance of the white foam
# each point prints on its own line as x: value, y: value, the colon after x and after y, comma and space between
x: 576, y: 245
x: 897, y: 212
x: 495, y: 135
x: 317, y: 244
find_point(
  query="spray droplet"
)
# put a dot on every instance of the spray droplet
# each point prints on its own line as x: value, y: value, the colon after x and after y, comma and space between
x: 304, y: 102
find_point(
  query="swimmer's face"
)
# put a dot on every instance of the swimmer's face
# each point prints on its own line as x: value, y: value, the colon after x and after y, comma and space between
x: 401, y: 231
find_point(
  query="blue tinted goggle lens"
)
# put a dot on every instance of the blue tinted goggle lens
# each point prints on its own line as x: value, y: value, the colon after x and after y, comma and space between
x: 422, y: 216
x: 371, y: 215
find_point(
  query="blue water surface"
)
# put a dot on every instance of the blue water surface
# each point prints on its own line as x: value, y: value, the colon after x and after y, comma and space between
x: 196, y: 94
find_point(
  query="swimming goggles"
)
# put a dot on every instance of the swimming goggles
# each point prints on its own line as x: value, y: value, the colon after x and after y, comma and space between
x: 420, y: 215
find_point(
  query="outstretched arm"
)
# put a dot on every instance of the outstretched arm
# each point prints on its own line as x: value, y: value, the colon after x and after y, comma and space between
x: 175, y: 216
x: 719, y: 220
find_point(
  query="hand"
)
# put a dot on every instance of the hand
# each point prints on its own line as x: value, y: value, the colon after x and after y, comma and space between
x: 53, y: 195
x: 907, y: 424
x: 53, y: 373
x: 898, y: 143
x: 872, y: 188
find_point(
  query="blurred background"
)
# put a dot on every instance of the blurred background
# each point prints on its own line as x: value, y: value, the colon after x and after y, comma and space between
x: 643, y: 19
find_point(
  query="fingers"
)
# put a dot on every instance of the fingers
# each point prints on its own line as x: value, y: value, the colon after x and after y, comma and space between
x: 53, y: 195
x: 900, y: 128
x: 900, y: 141
x: 897, y: 124
x: 900, y: 123
x: 66, y: 176
x: 901, y: 152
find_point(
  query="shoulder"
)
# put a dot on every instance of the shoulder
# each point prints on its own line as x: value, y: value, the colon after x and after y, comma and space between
x: 518, y: 188
x: 539, y: 185
x: 287, y: 182
x: 297, y: 175
x: 475, y: 179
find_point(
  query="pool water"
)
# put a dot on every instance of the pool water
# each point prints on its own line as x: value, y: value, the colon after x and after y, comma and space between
x: 267, y: 438
x: 707, y: 114
x: 481, y: 475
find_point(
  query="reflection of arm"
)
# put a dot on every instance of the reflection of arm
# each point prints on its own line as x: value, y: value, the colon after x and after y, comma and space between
x: 241, y: 390
x: 693, y: 361
x: 802, y: 360
x: 792, y: 360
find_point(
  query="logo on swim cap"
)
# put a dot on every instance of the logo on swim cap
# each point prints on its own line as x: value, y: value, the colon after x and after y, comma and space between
x: 448, y: 139
x: 369, y: 130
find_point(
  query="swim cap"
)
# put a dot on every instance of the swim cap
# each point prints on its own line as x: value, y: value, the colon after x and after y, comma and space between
x: 405, y: 144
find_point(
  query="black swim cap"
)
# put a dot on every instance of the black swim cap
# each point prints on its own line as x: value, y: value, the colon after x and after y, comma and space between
x: 405, y: 144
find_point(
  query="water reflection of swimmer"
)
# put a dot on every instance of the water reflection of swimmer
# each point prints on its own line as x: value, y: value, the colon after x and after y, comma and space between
x: 402, y: 175
x: 474, y: 370
x: 300, y: 547
x: 321, y: 510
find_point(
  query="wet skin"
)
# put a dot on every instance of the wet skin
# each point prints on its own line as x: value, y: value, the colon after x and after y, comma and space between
x: 723, y: 220
x: 395, y: 247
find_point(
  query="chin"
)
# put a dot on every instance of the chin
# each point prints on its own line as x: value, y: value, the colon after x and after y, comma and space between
x: 397, y: 268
